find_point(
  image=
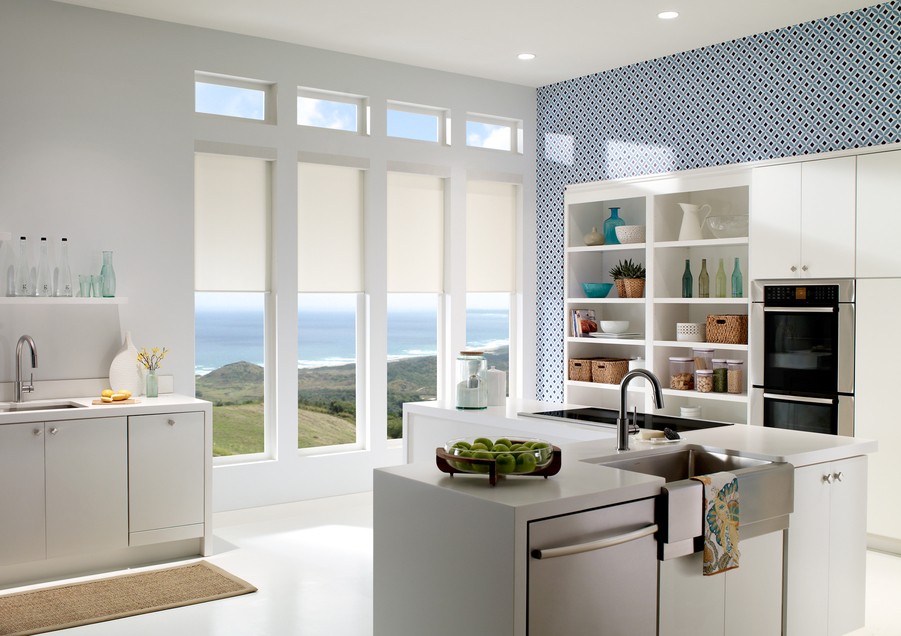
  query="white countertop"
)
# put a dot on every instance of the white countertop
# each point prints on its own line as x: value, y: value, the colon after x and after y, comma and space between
x: 169, y: 402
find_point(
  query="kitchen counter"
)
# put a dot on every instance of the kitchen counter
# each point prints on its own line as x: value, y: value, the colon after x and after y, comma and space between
x: 169, y: 402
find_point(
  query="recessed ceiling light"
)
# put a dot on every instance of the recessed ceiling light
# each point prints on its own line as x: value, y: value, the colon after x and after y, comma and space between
x: 668, y: 15
x: 526, y: 56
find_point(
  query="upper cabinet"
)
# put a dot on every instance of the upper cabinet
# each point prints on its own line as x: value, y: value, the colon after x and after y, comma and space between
x: 802, y: 219
x: 878, y: 214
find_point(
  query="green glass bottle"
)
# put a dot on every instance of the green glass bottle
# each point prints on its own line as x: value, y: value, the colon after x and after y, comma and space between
x: 686, y: 280
x: 736, y: 281
x: 703, y: 281
x: 720, y: 281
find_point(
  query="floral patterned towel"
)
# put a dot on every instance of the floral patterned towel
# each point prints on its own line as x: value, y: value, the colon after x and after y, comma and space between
x: 720, y: 522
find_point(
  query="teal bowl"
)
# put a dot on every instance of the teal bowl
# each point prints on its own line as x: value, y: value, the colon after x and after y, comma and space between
x: 597, y: 290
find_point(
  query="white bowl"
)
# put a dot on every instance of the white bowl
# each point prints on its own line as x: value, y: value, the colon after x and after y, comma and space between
x: 630, y: 233
x: 614, y: 326
x: 728, y: 226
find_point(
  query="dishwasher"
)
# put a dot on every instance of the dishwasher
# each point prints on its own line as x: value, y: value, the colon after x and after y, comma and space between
x: 594, y: 572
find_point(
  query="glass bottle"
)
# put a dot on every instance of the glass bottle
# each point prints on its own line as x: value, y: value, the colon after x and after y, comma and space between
x: 703, y: 281
x: 107, y: 276
x: 720, y: 281
x: 610, y: 226
x: 686, y: 280
x: 63, y: 273
x: 24, y: 284
x: 44, y: 285
x: 472, y: 380
x: 736, y: 281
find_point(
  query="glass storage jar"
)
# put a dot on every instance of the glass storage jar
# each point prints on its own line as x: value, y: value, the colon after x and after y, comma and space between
x: 703, y: 359
x: 735, y: 376
x: 704, y: 380
x: 681, y: 373
x: 472, y: 380
x: 720, y: 372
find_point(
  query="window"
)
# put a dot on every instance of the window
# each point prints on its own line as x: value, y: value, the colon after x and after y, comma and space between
x: 421, y: 123
x: 231, y: 217
x: 415, y: 283
x: 496, y: 133
x: 330, y: 285
x: 491, y: 212
x: 336, y: 111
x: 233, y: 97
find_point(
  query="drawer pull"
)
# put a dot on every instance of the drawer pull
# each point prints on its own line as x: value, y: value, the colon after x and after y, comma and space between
x: 565, y: 550
x: 171, y: 422
x: 54, y: 431
x: 38, y: 431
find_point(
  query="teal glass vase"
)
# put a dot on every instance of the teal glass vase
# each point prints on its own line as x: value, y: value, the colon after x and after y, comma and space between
x: 107, y: 276
x: 737, y: 291
x: 687, y: 280
x: 610, y: 226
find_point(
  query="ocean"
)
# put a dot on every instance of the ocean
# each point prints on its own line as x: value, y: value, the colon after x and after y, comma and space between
x: 327, y: 337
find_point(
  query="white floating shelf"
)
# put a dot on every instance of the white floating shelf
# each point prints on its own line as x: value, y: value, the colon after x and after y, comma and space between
x: 723, y: 397
x: 607, y: 248
x: 609, y: 341
x: 701, y: 301
x: 603, y: 301
x: 741, y: 240
x: 698, y: 345
x: 52, y: 300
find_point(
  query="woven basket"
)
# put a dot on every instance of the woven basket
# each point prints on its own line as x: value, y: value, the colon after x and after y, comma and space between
x: 609, y: 370
x: 727, y: 328
x: 630, y: 287
x: 580, y: 369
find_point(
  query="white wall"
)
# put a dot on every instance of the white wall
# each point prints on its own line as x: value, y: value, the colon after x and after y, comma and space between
x: 97, y: 137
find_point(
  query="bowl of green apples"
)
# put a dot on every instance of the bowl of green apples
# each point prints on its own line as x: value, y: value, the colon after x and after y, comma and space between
x: 509, y: 456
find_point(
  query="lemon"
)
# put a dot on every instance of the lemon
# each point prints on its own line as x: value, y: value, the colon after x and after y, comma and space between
x: 106, y: 393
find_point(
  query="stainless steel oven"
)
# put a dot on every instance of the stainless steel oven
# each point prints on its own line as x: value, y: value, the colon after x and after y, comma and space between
x: 802, y: 355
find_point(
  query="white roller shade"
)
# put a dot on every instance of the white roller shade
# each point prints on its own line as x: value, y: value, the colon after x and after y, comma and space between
x: 490, y: 236
x: 329, y: 228
x: 232, y: 199
x: 415, y: 233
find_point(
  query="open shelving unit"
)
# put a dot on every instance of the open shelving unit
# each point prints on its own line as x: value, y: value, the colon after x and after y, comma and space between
x: 653, y: 202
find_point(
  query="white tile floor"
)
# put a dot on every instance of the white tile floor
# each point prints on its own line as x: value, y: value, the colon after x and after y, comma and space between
x: 312, y: 563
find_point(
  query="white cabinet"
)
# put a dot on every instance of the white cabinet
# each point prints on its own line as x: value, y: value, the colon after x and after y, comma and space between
x: 825, y: 575
x: 878, y: 214
x: 165, y: 477
x: 692, y: 604
x: 22, y: 535
x: 86, y: 493
x: 875, y: 405
x: 802, y: 219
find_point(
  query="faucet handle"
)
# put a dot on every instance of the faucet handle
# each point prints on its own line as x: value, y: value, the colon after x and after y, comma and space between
x: 633, y: 425
x: 29, y: 388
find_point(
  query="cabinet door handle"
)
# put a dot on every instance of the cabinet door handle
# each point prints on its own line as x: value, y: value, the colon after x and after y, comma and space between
x: 804, y: 268
x: 565, y: 550
x: 828, y: 478
x: 170, y: 422
x: 54, y: 431
x: 794, y: 268
x: 838, y: 476
x: 38, y: 431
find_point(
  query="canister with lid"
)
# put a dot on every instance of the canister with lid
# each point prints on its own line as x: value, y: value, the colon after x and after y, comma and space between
x: 681, y: 373
x: 735, y: 376
x: 472, y: 380
x: 704, y: 380
x: 719, y: 375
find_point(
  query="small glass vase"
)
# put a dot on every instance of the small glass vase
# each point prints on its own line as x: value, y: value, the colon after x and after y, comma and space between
x: 153, y: 385
x: 107, y: 276
x: 687, y: 281
x: 610, y: 227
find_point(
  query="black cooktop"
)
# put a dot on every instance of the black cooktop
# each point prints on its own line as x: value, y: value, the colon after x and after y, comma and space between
x: 607, y: 417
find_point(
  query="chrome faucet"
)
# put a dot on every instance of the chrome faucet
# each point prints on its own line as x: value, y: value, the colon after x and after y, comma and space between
x: 622, y: 422
x: 20, y: 387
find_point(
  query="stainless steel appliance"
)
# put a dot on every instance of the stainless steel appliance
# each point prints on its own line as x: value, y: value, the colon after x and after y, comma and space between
x: 802, y: 355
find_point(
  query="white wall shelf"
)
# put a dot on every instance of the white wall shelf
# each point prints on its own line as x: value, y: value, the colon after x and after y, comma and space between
x: 43, y: 300
x: 700, y: 345
x: 702, y: 301
x: 621, y: 247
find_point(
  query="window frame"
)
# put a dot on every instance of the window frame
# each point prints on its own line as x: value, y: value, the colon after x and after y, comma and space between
x: 515, y: 126
x: 360, y: 101
x: 269, y: 90
x: 442, y: 115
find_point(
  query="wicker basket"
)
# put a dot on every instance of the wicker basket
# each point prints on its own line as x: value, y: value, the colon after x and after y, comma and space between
x: 629, y: 287
x: 580, y: 369
x: 609, y: 370
x: 727, y: 328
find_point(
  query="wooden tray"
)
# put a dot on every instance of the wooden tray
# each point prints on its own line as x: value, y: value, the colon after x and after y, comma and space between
x: 443, y: 459
x: 128, y: 401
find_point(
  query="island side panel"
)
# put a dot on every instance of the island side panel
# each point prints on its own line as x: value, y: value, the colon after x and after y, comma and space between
x: 441, y: 560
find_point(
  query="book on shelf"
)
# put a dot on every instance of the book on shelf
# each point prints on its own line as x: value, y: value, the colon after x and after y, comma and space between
x: 584, y: 322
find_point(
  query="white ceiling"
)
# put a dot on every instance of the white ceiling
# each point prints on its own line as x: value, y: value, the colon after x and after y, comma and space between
x: 570, y: 38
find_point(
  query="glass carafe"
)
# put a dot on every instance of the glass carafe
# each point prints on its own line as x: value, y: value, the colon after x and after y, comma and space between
x: 107, y: 276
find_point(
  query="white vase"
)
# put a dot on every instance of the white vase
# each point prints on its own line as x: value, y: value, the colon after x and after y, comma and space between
x: 125, y: 370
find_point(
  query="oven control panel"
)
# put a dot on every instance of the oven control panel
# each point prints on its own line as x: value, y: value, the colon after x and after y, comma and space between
x: 801, y: 295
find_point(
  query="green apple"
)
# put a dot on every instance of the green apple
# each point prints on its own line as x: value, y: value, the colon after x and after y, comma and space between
x: 505, y: 463
x: 463, y: 465
x: 479, y: 446
x: 525, y: 463
x: 461, y: 444
x: 500, y: 448
x: 519, y: 447
x: 503, y: 440
x: 484, y: 441
x: 481, y: 468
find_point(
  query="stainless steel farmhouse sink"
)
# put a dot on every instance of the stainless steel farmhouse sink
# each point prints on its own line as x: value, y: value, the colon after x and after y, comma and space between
x: 42, y: 405
x: 766, y: 492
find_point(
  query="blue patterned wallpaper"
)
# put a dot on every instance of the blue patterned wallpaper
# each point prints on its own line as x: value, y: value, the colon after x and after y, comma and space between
x: 820, y: 86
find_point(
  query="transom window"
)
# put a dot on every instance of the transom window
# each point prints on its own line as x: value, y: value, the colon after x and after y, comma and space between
x: 237, y: 97
x: 335, y: 111
x: 420, y: 123
x: 494, y: 133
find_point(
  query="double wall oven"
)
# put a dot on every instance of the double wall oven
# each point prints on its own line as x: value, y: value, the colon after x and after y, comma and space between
x: 802, y: 355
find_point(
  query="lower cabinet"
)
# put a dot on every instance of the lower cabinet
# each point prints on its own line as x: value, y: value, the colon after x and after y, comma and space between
x: 692, y: 604
x: 825, y: 575
x: 22, y: 536
x: 165, y: 477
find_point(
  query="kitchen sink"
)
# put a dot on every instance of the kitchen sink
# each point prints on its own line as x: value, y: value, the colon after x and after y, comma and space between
x: 44, y: 405
x: 683, y: 463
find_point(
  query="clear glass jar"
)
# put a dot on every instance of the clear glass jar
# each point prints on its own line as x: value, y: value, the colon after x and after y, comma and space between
x: 704, y: 380
x: 735, y: 376
x: 720, y: 378
x: 681, y: 374
x: 472, y: 380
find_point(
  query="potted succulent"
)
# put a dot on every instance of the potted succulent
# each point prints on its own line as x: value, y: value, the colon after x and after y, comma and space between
x: 629, y: 279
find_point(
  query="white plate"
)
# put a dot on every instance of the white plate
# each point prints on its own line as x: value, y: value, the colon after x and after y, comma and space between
x: 601, y: 334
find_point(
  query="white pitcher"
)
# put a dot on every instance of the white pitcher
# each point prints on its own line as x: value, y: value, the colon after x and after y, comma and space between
x: 691, y: 221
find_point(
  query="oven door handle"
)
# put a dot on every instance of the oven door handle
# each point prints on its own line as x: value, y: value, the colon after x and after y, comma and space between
x: 798, y: 398
x: 802, y: 310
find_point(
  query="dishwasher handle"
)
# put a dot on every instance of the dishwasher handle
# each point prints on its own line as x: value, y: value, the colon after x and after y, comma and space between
x: 577, y: 548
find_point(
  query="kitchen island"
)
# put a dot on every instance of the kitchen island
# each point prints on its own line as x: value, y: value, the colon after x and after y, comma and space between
x: 89, y: 488
x: 453, y: 553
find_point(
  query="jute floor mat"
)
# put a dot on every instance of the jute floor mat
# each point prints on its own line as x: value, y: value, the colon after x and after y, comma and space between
x: 62, y: 606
